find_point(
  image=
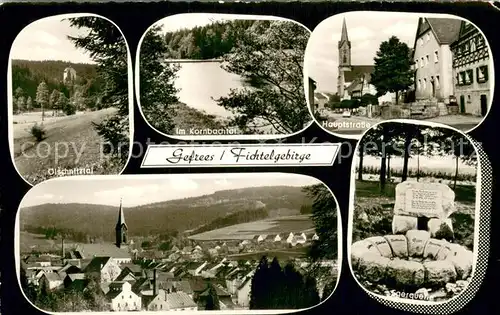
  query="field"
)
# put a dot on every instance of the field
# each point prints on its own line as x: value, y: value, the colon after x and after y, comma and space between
x: 29, y: 242
x: 282, y: 255
x: 70, y: 142
x: 282, y: 225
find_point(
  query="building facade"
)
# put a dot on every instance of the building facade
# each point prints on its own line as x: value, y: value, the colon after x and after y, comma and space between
x: 433, y: 58
x: 472, y: 70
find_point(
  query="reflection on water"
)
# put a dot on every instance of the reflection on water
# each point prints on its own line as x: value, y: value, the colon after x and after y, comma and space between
x: 202, y: 82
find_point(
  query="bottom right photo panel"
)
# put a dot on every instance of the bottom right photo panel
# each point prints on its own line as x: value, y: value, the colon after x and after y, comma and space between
x: 414, y: 212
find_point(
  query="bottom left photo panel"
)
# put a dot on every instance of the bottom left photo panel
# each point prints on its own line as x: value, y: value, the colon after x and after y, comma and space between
x: 196, y: 242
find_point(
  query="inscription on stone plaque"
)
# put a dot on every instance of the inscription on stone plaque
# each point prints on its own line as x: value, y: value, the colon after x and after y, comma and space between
x: 424, y: 201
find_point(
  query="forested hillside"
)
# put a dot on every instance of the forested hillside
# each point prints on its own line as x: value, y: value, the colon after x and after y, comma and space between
x: 209, y: 41
x: 210, y: 211
x: 27, y: 76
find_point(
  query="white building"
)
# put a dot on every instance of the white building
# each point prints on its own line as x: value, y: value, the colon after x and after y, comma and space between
x: 122, y: 298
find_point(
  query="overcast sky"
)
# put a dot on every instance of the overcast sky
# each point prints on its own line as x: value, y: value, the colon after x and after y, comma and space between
x: 46, y: 39
x: 146, y: 189
x: 366, y: 30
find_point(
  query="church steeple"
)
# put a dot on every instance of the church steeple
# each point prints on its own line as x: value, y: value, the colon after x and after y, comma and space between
x: 121, y: 228
x: 344, y: 47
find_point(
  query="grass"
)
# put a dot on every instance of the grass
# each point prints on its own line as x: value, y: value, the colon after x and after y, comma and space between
x: 282, y: 255
x: 371, y: 189
x: 413, y: 173
x: 69, y: 143
x: 187, y: 117
x: 244, y: 231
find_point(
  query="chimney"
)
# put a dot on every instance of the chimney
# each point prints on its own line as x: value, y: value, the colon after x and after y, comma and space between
x: 155, y: 287
x: 62, y: 249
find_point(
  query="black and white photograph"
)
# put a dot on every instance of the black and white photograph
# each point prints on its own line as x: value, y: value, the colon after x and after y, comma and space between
x: 69, y: 98
x: 414, y: 212
x: 259, y: 241
x: 362, y: 68
x: 224, y: 75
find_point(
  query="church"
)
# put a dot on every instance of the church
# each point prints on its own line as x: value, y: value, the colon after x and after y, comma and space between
x: 354, y: 80
x: 119, y: 251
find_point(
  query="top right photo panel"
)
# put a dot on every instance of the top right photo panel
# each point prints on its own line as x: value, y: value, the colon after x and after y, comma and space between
x: 362, y: 68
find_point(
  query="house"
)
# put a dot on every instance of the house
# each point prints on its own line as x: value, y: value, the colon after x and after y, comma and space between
x: 122, y: 298
x: 277, y: 238
x: 261, y: 238
x: 297, y: 239
x: 472, y: 65
x: 76, y: 281
x: 244, y: 243
x: 433, y: 58
x: 195, y: 268
x: 243, y: 292
x: 51, y: 280
x: 289, y: 238
x: 233, y: 250
x: 104, y: 268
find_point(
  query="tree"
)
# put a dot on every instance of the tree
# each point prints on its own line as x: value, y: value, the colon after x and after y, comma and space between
x: 29, y: 104
x: 62, y: 102
x: 157, y: 90
x: 324, y: 216
x: 20, y: 104
x: 107, y: 48
x: 259, y: 296
x: 54, y: 96
x: 78, y: 100
x: 42, y: 96
x: 18, y: 92
x: 393, y: 68
x: 212, y: 302
x: 269, y: 55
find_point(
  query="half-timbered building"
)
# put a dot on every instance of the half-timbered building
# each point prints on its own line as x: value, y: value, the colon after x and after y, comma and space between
x: 472, y: 70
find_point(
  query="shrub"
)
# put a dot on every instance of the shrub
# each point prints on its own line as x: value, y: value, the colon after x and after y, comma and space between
x: 348, y: 104
x: 38, y: 131
x: 368, y: 99
x: 69, y: 109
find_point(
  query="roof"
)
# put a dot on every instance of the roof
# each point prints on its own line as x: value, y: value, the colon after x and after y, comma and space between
x: 220, y: 292
x: 121, y: 218
x: 52, y: 276
x: 104, y: 249
x: 96, y: 263
x: 359, y: 71
x: 184, y: 286
x: 194, y: 265
x: 344, y: 37
x: 179, y: 300
x: 76, y: 276
x: 247, y: 280
x: 445, y: 30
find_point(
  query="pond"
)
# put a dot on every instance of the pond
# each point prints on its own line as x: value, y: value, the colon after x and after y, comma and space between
x: 200, y: 82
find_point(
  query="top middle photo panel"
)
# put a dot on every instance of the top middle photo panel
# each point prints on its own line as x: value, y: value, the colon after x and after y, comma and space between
x: 223, y: 76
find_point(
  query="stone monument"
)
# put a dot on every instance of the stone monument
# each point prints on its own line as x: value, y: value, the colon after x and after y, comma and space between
x: 434, y: 201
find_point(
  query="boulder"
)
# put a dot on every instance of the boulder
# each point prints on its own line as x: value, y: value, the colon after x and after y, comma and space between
x: 439, y: 273
x: 407, y: 273
x: 402, y: 223
x: 463, y: 263
x: 382, y: 245
x: 361, y: 248
x: 432, y: 248
x: 440, y: 229
x: 417, y: 239
x: 373, y: 267
x: 399, y: 245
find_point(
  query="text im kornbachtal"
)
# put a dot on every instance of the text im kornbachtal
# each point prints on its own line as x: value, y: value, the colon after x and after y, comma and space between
x: 238, y: 155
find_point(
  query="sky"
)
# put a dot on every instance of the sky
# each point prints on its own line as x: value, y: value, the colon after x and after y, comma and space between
x: 46, y: 39
x: 140, y: 189
x: 366, y: 31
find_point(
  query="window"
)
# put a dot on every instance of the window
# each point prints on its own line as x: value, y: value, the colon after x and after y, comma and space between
x: 118, y: 305
x: 130, y: 296
x: 436, y: 56
x: 422, y: 62
x: 437, y: 82
x: 468, y: 99
x: 419, y: 84
x: 469, y: 76
x: 462, y: 79
x: 427, y: 60
x: 428, y: 37
x: 123, y: 297
x: 425, y: 84
x: 421, y: 41
x: 482, y: 74
x: 416, y: 63
x: 473, y: 44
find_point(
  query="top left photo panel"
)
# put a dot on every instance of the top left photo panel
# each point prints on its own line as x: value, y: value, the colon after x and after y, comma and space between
x: 70, y: 98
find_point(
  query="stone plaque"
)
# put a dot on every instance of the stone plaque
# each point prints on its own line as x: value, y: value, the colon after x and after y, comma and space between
x: 382, y: 245
x: 432, y: 200
x: 432, y: 248
x: 416, y: 242
x: 399, y: 245
x: 424, y: 201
